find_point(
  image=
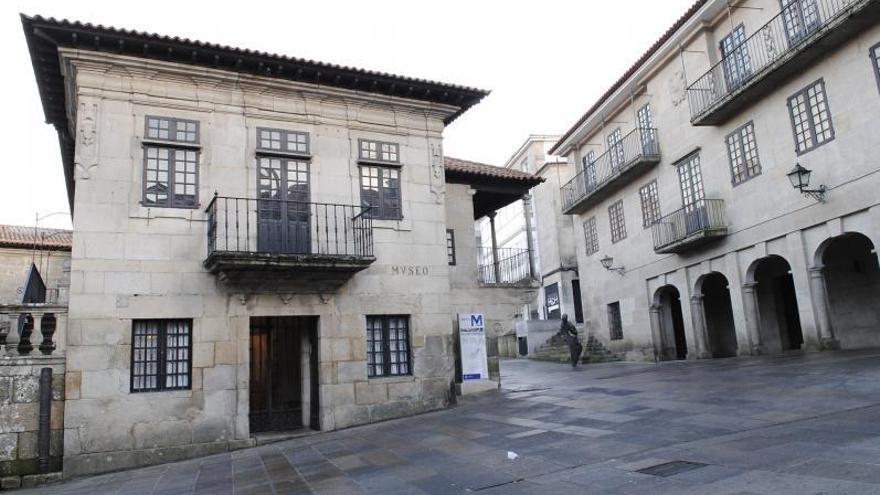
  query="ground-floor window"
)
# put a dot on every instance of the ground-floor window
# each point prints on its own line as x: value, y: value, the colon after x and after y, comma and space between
x: 615, y: 326
x: 160, y: 355
x: 388, y: 351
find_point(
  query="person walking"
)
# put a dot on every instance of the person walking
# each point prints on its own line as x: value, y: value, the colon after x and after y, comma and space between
x: 570, y: 333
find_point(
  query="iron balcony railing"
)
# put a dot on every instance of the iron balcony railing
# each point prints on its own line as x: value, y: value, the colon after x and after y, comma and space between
x: 504, y: 266
x: 637, y: 146
x: 698, y: 220
x: 783, y: 36
x: 273, y: 226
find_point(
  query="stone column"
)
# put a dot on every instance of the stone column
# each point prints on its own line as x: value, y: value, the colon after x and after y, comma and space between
x: 657, y: 333
x: 753, y: 316
x: 495, y: 265
x: 819, y: 296
x: 527, y: 213
x: 698, y: 317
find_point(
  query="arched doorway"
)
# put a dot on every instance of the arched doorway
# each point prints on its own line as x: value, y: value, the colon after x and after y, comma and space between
x: 777, y: 305
x: 719, y: 315
x: 852, y: 281
x: 672, y: 336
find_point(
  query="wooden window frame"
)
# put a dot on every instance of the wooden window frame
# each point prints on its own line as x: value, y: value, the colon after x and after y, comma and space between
x: 379, y: 145
x: 161, y: 355
x: 650, y: 198
x: 809, y: 117
x: 284, y: 142
x: 450, y: 246
x: 617, y: 221
x: 379, y: 212
x: 591, y: 236
x: 385, y: 350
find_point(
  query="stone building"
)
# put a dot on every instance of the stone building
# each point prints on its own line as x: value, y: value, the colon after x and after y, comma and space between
x: 22, y: 247
x: 260, y: 242
x: 691, y: 240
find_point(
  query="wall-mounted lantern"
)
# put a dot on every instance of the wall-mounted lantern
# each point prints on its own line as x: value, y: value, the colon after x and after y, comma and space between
x: 608, y: 264
x: 800, y: 180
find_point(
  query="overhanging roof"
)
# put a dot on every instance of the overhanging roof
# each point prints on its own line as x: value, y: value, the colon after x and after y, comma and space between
x: 495, y: 187
x: 45, y: 35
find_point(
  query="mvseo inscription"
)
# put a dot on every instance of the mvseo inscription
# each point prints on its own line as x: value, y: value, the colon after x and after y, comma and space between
x: 409, y: 270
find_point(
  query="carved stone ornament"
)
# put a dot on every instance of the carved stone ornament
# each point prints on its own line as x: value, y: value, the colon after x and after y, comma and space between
x: 678, y: 88
x: 86, y: 153
x: 438, y: 174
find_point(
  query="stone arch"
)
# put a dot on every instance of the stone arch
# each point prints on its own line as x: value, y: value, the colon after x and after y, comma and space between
x: 713, y: 289
x: 776, y: 306
x: 851, y: 274
x: 667, y: 305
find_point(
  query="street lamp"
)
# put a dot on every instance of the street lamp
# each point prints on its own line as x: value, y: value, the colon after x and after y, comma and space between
x: 800, y: 180
x: 608, y: 262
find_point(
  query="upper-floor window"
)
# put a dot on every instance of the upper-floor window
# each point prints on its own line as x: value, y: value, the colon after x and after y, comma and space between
x: 650, y: 204
x: 742, y: 150
x: 615, y: 147
x: 380, y: 190
x: 279, y: 140
x: 618, y: 226
x: 378, y: 151
x: 615, y: 323
x: 170, y: 129
x: 450, y: 246
x: 875, y: 61
x: 690, y: 179
x: 810, y: 117
x: 591, y: 237
x: 171, y: 171
x: 160, y: 355
x: 646, y: 126
x: 737, y: 65
x: 801, y: 18
x: 589, y: 164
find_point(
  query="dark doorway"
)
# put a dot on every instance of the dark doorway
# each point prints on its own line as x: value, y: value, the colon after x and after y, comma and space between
x: 777, y: 305
x: 719, y: 316
x: 852, y: 281
x: 283, y: 210
x: 578, y: 306
x: 284, y: 373
x: 674, y: 342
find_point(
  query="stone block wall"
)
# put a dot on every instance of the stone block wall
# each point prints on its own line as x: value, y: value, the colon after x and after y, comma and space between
x: 20, y: 413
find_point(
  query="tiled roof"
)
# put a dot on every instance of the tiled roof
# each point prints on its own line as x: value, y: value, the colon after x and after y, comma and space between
x: 626, y: 75
x: 20, y: 236
x: 457, y: 165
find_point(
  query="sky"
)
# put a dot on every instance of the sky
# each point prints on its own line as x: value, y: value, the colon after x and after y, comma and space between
x: 545, y: 62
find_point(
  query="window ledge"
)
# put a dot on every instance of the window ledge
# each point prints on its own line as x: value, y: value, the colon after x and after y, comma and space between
x: 284, y: 154
x: 393, y: 379
x: 402, y: 225
x: 378, y: 163
x: 172, y: 144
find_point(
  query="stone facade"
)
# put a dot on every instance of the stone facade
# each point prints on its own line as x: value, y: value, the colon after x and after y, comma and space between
x: 774, y: 280
x: 15, y: 264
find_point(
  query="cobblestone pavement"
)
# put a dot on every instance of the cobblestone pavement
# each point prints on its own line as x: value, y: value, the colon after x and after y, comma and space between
x: 796, y: 424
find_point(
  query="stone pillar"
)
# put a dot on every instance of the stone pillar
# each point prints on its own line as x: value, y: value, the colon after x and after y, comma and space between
x: 657, y: 333
x: 495, y: 265
x: 753, y: 316
x: 698, y: 317
x: 527, y: 213
x: 819, y: 296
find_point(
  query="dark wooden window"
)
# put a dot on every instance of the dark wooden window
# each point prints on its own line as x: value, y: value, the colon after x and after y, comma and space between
x: 450, y: 246
x: 615, y: 325
x: 810, y: 117
x: 742, y: 150
x: 388, y: 350
x: 737, y: 64
x: 690, y: 179
x: 281, y: 141
x: 650, y: 204
x: 591, y: 237
x: 380, y: 189
x: 161, y: 355
x: 378, y: 151
x: 171, y: 163
x: 874, y: 53
x: 646, y: 126
x: 615, y: 148
x: 801, y: 18
x: 618, y: 224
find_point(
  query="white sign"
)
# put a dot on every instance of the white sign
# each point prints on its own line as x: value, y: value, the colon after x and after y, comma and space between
x: 472, y: 339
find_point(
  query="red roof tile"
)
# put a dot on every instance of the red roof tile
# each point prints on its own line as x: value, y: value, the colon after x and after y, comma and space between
x: 641, y: 61
x: 20, y: 236
x: 458, y: 165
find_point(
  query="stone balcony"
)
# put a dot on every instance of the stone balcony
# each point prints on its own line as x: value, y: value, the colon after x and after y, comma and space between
x: 270, y: 244
x: 801, y: 33
x: 633, y: 154
x: 690, y: 227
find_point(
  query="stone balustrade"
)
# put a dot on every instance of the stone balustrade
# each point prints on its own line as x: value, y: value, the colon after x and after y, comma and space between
x: 25, y: 327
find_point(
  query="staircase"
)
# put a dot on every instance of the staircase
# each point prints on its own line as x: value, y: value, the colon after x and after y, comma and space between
x: 556, y: 350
